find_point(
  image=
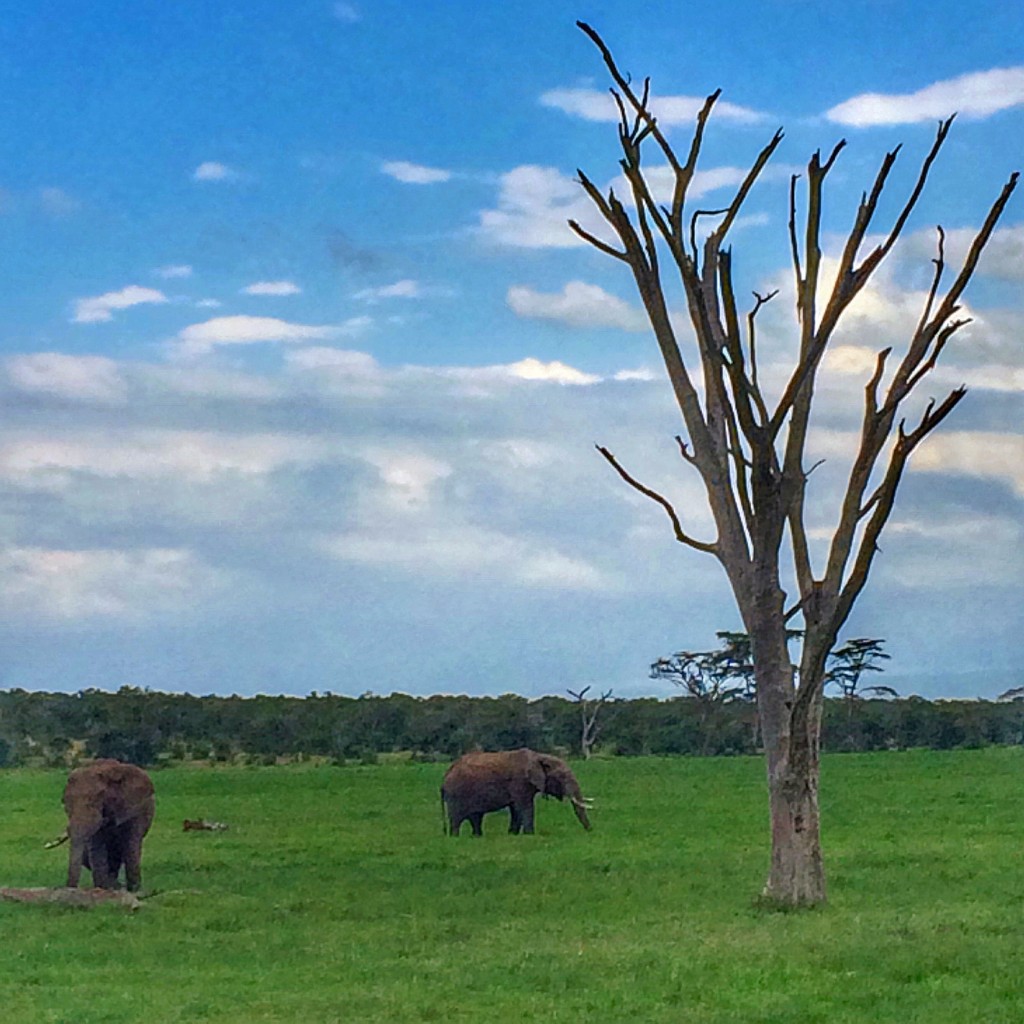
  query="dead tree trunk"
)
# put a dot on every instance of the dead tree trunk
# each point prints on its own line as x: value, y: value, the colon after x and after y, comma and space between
x: 748, y: 447
x: 73, y: 897
x: 590, y: 728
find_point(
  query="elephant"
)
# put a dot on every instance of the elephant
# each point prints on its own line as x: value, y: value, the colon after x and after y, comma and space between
x: 110, y: 807
x: 481, y: 782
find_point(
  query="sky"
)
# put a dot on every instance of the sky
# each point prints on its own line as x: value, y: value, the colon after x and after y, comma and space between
x: 302, y: 370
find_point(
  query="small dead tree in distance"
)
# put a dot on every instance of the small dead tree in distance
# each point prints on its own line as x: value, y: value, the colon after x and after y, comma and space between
x: 590, y: 708
x: 750, y: 456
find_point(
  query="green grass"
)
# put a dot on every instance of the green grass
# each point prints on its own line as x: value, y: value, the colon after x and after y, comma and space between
x: 335, y: 897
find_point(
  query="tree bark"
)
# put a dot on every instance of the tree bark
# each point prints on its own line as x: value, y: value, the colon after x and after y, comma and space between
x: 789, y: 729
x: 797, y: 874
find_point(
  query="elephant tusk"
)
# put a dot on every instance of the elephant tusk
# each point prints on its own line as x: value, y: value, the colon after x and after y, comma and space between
x: 56, y: 842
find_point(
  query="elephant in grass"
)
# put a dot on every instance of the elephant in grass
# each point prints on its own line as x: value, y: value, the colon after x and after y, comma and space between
x: 478, y: 783
x: 110, y: 807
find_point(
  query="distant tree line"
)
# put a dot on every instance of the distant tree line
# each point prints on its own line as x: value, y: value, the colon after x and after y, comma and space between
x: 147, y: 727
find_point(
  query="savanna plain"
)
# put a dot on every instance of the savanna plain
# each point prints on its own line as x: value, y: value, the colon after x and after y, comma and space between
x: 334, y: 896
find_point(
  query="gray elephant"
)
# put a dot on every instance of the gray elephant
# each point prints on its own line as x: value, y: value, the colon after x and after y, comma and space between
x: 482, y: 782
x: 110, y: 808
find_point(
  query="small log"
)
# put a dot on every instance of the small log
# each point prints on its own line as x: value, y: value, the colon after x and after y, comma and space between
x: 202, y: 825
x: 73, y: 897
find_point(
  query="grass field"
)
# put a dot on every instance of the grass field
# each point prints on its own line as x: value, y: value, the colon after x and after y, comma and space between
x: 335, y: 897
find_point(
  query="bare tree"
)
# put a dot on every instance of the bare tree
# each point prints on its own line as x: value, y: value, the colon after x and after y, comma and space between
x: 590, y: 708
x: 749, y: 453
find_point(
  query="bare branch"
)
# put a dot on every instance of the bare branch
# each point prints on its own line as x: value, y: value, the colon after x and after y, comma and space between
x: 882, y: 501
x: 940, y: 343
x: 684, y: 451
x: 677, y: 528
x: 748, y: 183
x: 693, y: 226
x: 880, y: 253
x: 752, y: 348
x: 794, y: 244
x: 623, y: 83
x: 597, y: 243
x: 940, y: 266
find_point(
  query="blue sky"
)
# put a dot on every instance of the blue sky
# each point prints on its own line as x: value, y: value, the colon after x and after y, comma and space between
x: 302, y: 369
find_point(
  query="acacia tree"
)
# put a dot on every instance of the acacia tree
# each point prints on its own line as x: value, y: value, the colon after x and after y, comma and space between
x: 718, y: 677
x: 749, y: 448
x: 849, y: 662
x: 712, y: 679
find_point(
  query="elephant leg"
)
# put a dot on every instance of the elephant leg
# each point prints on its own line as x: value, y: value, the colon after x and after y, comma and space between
x: 115, y: 856
x: 476, y: 820
x: 99, y: 862
x: 132, y: 853
x: 526, y: 816
x: 515, y: 822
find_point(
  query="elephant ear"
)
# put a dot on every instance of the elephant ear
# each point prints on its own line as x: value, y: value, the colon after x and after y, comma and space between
x: 535, y: 773
x: 554, y: 771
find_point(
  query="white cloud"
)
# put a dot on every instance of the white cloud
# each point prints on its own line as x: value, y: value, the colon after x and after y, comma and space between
x: 405, y: 289
x: 206, y: 383
x: 850, y: 359
x: 525, y: 369
x: 973, y: 548
x: 597, y: 105
x: 859, y: 361
x: 978, y: 454
x: 1003, y: 258
x: 470, y: 554
x: 347, y: 13
x: 209, y: 303
x: 535, y: 203
x: 210, y: 170
x: 199, y: 339
x: 78, y: 378
x: 355, y: 325
x: 409, y: 476
x: 272, y: 288
x: 174, y: 270
x: 640, y: 374
x: 58, y: 203
x: 975, y: 95
x: 101, y: 583
x: 347, y: 360
x: 414, y: 174
x: 99, y: 308
x: 433, y: 483
x: 578, y: 304
x: 183, y: 455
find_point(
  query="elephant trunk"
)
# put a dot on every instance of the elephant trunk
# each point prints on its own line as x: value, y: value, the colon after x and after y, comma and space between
x: 579, y: 805
x: 76, y: 857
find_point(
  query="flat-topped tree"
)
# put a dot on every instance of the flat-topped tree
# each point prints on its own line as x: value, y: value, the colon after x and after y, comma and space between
x: 750, y: 453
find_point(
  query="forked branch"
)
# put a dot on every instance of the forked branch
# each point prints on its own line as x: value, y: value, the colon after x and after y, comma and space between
x: 677, y: 527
